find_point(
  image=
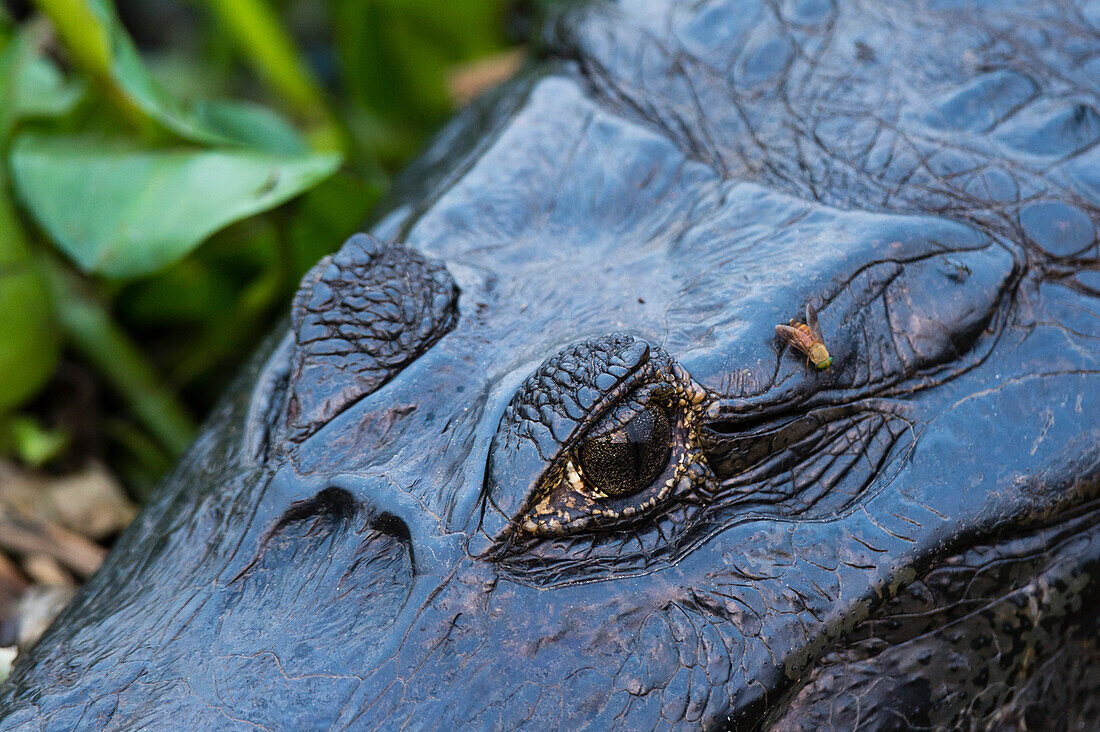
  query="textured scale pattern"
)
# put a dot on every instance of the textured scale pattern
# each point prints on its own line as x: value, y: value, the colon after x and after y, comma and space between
x: 360, y: 316
x: 974, y: 110
x: 907, y: 540
x: 934, y: 656
x: 557, y: 397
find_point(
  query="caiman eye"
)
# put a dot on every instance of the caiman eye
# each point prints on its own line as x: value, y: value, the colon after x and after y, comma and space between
x: 623, y: 461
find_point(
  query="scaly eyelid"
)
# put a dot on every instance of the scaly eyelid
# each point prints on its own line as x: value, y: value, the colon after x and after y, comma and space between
x: 622, y: 396
x: 615, y: 415
x: 556, y: 404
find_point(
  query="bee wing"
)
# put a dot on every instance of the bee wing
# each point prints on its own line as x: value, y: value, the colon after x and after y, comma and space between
x: 793, y: 336
x: 811, y: 322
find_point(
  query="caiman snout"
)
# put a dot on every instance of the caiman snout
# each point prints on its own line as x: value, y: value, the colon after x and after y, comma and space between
x: 551, y: 450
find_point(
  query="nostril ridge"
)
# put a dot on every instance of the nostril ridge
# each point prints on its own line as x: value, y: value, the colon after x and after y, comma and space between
x: 336, y: 504
x: 333, y: 506
x: 392, y: 515
x: 388, y: 523
x: 312, y: 524
x: 394, y: 527
x: 322, y: 559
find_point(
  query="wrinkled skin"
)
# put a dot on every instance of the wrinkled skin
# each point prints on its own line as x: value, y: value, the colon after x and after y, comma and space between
x: 386, y: 525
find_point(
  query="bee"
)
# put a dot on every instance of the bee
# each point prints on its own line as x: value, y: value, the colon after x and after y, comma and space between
x: 806, y: 337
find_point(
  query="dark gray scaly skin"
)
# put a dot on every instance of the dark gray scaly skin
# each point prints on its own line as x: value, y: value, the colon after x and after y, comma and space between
x: 387, y: 523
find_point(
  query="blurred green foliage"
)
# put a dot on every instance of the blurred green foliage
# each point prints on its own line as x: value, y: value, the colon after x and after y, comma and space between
x: 160, y: 197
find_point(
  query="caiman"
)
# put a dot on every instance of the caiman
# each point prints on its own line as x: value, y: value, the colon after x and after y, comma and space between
x: 530, y: 454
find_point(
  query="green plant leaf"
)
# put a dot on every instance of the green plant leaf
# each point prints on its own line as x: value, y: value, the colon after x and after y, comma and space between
x: 40, y: 90
x: 102, y: 47
x: 29, y: 340
x: 32, y: 443
x: 97, y: 39
x: 128, y: 213
x: 30, y: 86
x: 251, y: 125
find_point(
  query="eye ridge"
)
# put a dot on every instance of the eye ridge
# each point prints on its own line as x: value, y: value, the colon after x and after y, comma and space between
x: 627, y: 450
x: 627, y: 459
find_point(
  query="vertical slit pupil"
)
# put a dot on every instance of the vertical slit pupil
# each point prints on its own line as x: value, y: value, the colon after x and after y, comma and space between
x: 628, y: 459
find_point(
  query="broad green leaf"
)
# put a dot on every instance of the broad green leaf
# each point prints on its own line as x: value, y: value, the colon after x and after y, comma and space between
x: 127, y: 213
x: 42, y: 91
x: 98, y: 42
x: 188, y: 77
x: 29, y: 341
x: 251, y: 125
x: 31, y: 86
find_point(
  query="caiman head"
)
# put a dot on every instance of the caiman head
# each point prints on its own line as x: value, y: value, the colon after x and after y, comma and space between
x: 532, y: 454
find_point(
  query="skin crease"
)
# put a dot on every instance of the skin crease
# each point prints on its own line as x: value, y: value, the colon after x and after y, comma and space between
x: 384, y: 526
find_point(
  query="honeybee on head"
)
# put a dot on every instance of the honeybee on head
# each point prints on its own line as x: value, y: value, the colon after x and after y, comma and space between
x: 806, y: 337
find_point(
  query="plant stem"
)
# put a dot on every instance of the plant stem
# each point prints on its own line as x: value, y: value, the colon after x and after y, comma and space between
x: 82, y: 33
x: 91, y: 331
x: 270, y: 50
x: 85, y: 36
